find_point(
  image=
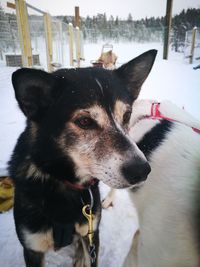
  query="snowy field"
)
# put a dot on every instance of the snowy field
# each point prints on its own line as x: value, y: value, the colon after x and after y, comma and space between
x: 174, y: 79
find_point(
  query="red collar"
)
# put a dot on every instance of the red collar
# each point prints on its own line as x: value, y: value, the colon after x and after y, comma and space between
x: 79, y: 186
x: 156, y: 115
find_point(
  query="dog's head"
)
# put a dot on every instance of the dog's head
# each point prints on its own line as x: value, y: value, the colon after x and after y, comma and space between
x: 78, y: 121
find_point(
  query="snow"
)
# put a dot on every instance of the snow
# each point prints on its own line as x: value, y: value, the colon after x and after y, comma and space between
x: 173, y: 79
x: 11, y: 118
x: 119, y: 221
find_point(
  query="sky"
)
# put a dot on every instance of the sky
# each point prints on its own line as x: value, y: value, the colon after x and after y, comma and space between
x: 138, y: 9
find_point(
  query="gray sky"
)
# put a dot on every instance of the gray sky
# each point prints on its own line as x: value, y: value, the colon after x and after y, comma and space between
x: 138, y: 8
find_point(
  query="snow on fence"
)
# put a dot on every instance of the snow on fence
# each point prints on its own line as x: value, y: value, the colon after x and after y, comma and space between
x: 43, y: 42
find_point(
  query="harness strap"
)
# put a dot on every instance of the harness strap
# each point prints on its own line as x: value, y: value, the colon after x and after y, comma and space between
x: 156, y: 115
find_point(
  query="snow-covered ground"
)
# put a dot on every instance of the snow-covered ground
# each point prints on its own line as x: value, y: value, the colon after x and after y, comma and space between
x: 174, y: 79
x: 117, y: 227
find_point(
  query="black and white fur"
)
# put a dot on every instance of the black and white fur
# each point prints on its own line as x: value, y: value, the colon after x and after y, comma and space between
x: 168, y: 203
x: 77, y: 130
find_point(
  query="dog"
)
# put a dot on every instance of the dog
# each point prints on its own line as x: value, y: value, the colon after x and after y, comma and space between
x: 168, y: 203
x: 76, y: 135
x: 108, y: 59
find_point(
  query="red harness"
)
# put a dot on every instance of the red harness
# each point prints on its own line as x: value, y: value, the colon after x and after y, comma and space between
x: 156, y: 115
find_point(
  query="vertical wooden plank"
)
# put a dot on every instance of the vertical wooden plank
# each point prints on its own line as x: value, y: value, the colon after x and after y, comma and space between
x: 82, y: 57
x: 194, y: 30
x: 24, y: 33
x: 78, y: 36
x: 48, y: 40
x: 168, y: 20
x: 78, y: 47
x: 71, y: 44
x: 61, y: 42
x: 77, y: 17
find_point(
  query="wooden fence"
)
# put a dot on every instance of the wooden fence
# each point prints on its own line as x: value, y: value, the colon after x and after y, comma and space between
x: 73, y: 37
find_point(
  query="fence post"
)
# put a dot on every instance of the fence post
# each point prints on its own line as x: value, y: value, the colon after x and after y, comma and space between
x: 168, y: 19
x: 24, y: 33
x: 77, y: 17
x: 194, y: 30
x: 48, y: 40
x: 78, y: 36
x: 78, y: 47
x: 61, y: 42
x: 71, y: 44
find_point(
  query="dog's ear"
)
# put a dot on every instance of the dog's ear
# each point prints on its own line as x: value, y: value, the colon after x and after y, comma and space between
x: 134, y: 73
x: 35, y: 91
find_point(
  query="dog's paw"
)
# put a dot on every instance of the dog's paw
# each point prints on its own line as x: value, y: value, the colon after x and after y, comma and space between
x: 108, y: 200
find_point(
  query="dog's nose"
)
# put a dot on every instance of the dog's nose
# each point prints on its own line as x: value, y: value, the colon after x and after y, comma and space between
x: 136, y: 171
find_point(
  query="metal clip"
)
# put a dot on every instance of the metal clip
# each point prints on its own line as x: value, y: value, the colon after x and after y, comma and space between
x: 87, y: 212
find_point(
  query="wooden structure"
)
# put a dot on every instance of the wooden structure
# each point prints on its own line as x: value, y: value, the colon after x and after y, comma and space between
x: 168, y: 20
x: 78, y: 36
x: 71, y: 44
x: 16, y: 60
x: 24, y: 32
x: 77, y: 17
x: 25, y: 39
x: 78, y: 46
x: 48, y: 38
x: 194, y: 30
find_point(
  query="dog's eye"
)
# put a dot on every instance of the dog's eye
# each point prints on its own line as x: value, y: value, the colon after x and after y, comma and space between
x: 85, y: 123
x: 126, y: 117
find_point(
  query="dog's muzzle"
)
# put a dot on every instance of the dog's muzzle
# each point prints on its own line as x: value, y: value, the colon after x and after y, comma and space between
x: 136, y: 171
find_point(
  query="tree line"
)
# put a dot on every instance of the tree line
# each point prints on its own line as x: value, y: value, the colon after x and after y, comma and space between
x: 100, y: 27
x: 151, y: 29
